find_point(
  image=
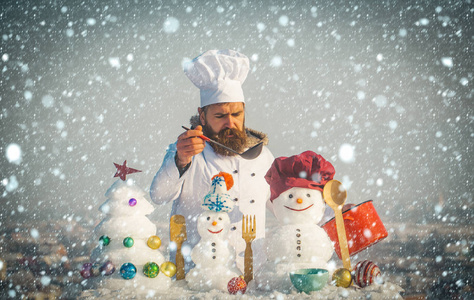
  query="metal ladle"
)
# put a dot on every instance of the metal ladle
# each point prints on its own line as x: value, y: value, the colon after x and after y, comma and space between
x: 251, y: 153
x: 335, y: 196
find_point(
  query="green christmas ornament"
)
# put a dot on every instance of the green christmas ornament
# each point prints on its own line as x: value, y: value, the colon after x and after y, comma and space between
x: 128, y: 242
x: 151, y: 269
x: 104, y: 240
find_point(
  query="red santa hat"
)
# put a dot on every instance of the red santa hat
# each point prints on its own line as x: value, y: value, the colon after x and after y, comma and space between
x: 306, y: 170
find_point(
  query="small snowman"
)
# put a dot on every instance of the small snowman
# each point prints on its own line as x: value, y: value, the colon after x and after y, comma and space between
x: 213, y: 255
x: 297, y: 242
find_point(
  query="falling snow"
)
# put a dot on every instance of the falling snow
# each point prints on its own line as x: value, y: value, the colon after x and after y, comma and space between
x: 447, y: 62
x: 171, y: 25
x: 114, y: 62
x: 346, y: 153
x: 383, y: 90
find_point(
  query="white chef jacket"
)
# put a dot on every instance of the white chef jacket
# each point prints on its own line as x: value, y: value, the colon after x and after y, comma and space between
x: 250, y: 192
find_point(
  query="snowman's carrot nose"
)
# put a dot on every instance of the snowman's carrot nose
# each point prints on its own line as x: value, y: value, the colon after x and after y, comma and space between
x: 299, y: 200
x: 214, y: 223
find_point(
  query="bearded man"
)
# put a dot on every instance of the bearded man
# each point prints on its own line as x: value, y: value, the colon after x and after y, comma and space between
x: 188, y: 167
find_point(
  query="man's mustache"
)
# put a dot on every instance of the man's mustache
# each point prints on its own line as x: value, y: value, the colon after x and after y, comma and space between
x: 228, y: 131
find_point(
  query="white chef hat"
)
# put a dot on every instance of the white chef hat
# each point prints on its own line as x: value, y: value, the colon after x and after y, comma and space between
x: 219, y: 74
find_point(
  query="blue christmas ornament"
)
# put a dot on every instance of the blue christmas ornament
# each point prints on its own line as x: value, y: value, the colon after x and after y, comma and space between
x: 132, y: 202
x: 128, y: 271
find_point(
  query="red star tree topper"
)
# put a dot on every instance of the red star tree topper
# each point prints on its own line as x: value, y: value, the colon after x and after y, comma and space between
x: 123, y: 170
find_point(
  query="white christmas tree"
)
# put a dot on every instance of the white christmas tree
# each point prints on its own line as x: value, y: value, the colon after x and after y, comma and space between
x: 127, y: 255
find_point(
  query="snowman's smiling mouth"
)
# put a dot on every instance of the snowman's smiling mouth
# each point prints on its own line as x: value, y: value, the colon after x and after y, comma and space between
x: 215, y: 232
x: 299, y: 209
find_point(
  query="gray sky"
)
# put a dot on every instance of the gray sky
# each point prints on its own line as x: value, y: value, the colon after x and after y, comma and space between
x: 87, y: 84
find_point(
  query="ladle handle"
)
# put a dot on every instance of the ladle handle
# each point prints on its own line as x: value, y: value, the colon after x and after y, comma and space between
x: 201, y: 136
x: 341, y: 235
x: 217, y: 143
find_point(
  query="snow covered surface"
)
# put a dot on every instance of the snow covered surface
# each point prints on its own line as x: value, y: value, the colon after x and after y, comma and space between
x: 179, y: 291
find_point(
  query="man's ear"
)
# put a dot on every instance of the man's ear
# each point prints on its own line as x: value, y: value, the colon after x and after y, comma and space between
x: 201, y: 113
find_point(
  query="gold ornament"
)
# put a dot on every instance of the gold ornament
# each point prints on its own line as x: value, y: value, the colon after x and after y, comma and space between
x: 154, y: 242
x: 168, y: 268
x: 342, y: 277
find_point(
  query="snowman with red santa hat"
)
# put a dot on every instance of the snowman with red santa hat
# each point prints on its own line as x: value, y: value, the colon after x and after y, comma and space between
x: 297, y: 242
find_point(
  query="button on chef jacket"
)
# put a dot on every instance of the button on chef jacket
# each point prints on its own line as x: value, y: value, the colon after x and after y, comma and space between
x: 250, y: 191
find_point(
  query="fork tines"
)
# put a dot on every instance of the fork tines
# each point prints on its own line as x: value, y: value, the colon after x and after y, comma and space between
x: 248, y: 226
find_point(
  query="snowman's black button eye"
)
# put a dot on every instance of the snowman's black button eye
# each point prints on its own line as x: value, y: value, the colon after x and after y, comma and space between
x: 208, y: 218
x: 220, y: 219
x: 308, y: 195
x: 290, y: 196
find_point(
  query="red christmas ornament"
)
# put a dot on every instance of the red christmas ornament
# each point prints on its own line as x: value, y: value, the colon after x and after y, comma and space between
x: 123, y: 170
x: 367, y: 273
x: 86, y: 271
x: 237, y: 285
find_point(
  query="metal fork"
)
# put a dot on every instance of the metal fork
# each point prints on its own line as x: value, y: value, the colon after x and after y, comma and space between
x: 249, y: 232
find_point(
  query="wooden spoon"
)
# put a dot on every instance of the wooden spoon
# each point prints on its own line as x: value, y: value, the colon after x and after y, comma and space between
x: 178, y: 236
x: 335, y: 195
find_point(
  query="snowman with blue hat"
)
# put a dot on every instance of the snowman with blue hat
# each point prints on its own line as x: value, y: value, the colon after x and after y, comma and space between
x: 214, y: 256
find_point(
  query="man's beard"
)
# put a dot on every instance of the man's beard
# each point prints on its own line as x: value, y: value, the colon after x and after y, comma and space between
x: 238, y: 141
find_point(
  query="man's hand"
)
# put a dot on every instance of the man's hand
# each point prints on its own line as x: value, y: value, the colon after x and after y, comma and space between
x: 188, y: 145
